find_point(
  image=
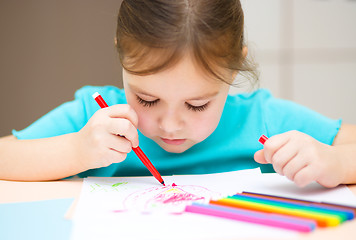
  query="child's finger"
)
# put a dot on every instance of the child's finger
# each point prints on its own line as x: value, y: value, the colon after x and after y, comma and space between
x: 123, y: 127
x: 283, y: 156
x: 303, y: 177
x: 122, y: 111
x: 119, y: 144
x: 273, y: 144
x: 112, y: 156
x: 118, y: 156
x: 293, y: 167
x: 260, y: 157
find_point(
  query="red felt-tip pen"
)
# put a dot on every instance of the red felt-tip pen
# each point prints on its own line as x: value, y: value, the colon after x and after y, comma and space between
x: 144, y: 159
x: 263, y: 139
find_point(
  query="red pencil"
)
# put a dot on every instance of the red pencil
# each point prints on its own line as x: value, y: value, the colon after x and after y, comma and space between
x: 144, y: 159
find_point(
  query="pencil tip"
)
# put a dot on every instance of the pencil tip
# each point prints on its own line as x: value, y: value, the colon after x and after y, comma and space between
x: 163, y: 183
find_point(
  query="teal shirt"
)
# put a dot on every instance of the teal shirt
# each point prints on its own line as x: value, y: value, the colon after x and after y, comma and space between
x: 230, y: 147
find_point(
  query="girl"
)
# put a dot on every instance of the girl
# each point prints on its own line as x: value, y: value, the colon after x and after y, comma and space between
x: 180, y: 58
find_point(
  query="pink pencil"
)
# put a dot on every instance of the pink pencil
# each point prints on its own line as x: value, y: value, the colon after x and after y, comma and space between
x: 273, y: 220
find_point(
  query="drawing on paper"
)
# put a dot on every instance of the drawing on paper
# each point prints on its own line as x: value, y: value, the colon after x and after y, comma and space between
x: 106, y: 187
x: 171, y: 198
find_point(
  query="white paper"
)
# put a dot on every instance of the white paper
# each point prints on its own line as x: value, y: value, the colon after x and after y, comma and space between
x: 274, y: 184
x: 140, y: 208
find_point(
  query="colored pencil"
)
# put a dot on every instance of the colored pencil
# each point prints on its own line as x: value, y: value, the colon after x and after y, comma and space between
x: 322, y: 219
x: 348, y: 211
x: 273, y: 220
x: 343, y: 214
x: 144, y: 159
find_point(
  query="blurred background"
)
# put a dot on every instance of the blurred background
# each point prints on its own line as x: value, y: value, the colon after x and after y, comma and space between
x: 306, y: 51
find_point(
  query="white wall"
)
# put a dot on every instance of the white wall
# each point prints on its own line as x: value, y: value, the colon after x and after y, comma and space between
x: 306, y: 50
x: 49, y: 48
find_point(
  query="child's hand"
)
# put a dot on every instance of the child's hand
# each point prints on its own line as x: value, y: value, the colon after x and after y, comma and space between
x: 302, y: 159
x: 107, y: 137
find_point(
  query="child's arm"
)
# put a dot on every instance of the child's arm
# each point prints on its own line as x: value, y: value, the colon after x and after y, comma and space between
x: 39, y: 159
x: 96, y: 145
x: 303, y: 159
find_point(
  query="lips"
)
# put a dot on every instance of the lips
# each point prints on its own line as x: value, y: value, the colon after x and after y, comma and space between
x: 173, y: 141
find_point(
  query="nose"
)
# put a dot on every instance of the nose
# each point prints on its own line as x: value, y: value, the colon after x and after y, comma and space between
x: 171, y: 122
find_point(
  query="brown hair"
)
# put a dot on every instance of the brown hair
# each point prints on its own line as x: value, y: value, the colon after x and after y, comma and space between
x: 153, y: 35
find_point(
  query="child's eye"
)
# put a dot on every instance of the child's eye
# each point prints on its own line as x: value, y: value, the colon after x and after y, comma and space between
x: 147, y: 103
x: 197, y: 108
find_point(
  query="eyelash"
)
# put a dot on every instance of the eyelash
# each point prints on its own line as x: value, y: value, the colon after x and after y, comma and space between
x: 147, y: 103
x: 197, y: 108
x: 190, y: 107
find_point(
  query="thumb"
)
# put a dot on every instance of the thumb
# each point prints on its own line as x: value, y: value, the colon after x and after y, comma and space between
x: 260, y: 157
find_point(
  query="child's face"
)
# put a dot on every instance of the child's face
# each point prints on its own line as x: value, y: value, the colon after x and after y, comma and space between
x: 178, y: 107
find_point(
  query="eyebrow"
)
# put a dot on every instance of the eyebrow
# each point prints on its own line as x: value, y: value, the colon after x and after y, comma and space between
x: 205, y: 96
x: 202, y: 97
x: 136, y: 89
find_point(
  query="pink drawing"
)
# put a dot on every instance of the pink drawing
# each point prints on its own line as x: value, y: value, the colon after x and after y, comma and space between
x: 171, y: 199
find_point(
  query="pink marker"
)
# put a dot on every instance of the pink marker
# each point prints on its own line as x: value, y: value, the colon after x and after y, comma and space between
x: 273, y: 220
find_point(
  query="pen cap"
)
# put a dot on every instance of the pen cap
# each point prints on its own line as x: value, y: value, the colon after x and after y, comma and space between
x: 263, y: 139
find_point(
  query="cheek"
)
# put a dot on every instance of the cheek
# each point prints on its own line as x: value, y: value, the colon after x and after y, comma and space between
x: 203, y: 126
x: 146, y: 123
x: 145, y: 120
x: 208, y: 121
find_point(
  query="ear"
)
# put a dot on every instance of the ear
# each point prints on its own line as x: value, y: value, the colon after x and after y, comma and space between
x: 244, y: 51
